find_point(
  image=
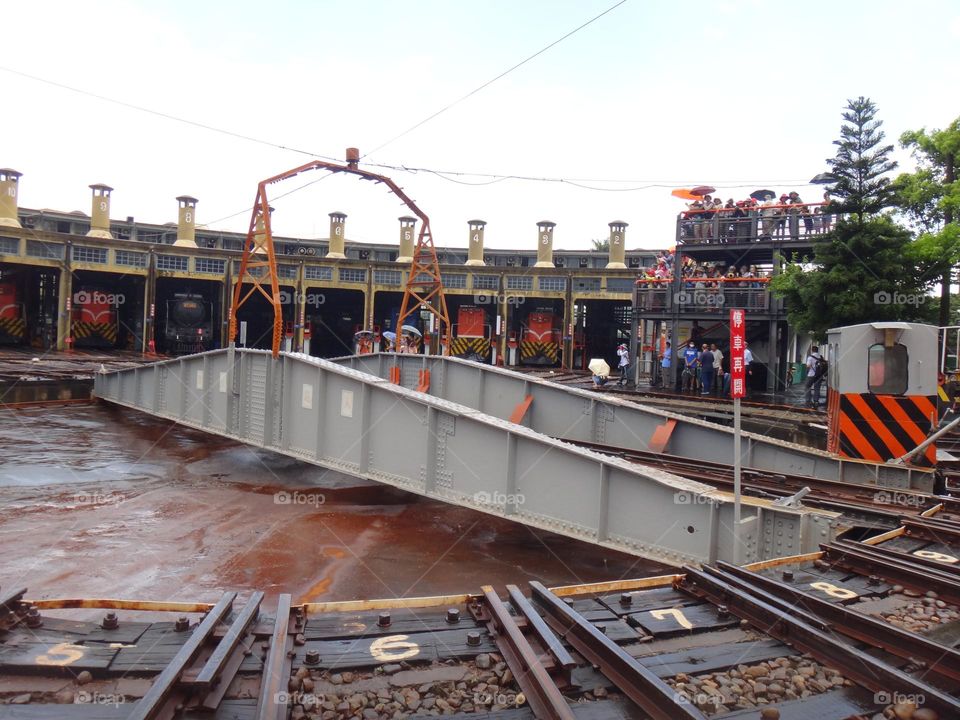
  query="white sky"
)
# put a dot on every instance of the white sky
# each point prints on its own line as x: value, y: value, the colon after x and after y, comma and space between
x: 731, y: 92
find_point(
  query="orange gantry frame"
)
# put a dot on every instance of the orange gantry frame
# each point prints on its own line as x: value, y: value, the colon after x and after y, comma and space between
x: 424, y: 288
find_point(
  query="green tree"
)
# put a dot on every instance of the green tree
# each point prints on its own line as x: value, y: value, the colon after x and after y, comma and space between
x: 930, y: 200
x: 861, y: 270
x: 862, y: 163
x: 601, y: 245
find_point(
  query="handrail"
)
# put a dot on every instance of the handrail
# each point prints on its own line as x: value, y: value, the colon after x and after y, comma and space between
x: 695, y: 279
x: 729, y: 211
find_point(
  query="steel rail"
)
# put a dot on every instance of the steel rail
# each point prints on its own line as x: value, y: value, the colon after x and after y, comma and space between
x: 217, y: 662
x: 561, y: 656
x: 649, y: 692
x: 826, y: 492
x: 911, y: 559
x: 932, y: 528
x: 873, y: 560
x: 543, y: 695
x: 859, y: 626
x: 276, y: 670
x: 858, y: 665
x: 154, y: 700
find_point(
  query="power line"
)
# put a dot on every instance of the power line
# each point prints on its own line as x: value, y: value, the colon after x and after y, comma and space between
x: 490, y: 82
x: 160, y: 113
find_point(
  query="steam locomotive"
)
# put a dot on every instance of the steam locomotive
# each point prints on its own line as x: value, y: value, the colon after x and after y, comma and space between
x: 189, y: 325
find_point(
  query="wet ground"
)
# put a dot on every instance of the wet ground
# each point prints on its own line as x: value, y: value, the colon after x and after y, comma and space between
x: 98, y: 501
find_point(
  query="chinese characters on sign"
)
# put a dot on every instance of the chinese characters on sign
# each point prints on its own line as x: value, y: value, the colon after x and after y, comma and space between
x: 738, y: 334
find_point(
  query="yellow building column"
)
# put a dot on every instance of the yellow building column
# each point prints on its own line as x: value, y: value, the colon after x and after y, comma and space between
x: 186, y: 222
x: 9, y: 190
x: 407, y: 229
x: 545, y: 244
x: 475, y: 254
x: 618, y: 243
x: 100, y: 212
x: 337, y: 242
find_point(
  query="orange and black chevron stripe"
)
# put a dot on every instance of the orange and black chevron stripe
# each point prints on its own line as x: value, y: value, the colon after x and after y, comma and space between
x: 881, y: 427
x: 13, y: 328
x: 535, y: 351
x: 470, y: 346
x: 91, y: 331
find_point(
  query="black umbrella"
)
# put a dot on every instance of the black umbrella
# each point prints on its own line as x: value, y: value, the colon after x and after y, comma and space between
x: 762, y: 194
x: 822, y: 179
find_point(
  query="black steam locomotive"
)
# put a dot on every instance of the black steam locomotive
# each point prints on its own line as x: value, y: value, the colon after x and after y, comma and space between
x: 189, y: 327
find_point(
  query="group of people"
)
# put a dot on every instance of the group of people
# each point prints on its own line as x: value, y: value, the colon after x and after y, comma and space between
x: 705, y: 370
x: 690, y: 270
x: 710, y: 220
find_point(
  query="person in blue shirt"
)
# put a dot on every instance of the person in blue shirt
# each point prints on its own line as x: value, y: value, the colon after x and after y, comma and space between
x: 690, y: 357
x: 665, y: 362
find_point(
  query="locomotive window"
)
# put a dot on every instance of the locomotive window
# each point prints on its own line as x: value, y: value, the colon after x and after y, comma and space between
x: 887, y: 369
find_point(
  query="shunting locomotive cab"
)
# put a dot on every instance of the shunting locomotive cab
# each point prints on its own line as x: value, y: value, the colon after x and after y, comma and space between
x: 13, y: 317
x: 95, y: 318
x: 471, y: 334
x: 541, y: 338
x: 882, y: 390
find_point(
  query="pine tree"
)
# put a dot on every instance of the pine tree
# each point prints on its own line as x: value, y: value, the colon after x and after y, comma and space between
x: 861, y: 164
x: 863, y: 270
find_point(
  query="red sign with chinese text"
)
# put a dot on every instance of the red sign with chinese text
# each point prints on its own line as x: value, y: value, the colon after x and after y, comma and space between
x: 738, y: 341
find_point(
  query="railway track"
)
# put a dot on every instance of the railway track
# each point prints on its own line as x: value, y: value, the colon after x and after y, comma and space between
x: 852, y: 632
x: 886, y: 505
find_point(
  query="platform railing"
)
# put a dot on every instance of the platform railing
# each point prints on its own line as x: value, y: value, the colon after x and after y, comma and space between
x: 790, y: 222
x: 703, y: 295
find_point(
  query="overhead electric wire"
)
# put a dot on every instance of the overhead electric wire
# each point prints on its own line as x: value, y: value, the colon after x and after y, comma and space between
x: 493, y: 80
x: 160, y: 113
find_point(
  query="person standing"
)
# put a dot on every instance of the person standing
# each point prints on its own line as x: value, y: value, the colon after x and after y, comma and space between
x: 718, y: 368
x: 624, y: 363
x: 666, y: 361
x: 690, y: 356
x: 816, y: 369
x: 747, y: 369
x: 707, y: 370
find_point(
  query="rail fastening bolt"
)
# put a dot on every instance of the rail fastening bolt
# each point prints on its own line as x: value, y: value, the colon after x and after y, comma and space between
x: 626, y: 599
x: 723, y: 611
x: 473, y: 638
x: 453, y: 615
x: 873, y: 580
x: 312, y: 657
x: 384, y: 620
x: 34, y: 619
x: 110, y: 621
x: 788, y: 575
x: 182, y: 624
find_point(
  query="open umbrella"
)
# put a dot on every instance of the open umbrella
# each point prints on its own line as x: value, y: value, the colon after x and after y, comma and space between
x: 823, y: 179
x: 684, y: 194
x: 763, y: 194
x: 363, y: 333
x: 701, y: 190
x: 598, y: 366
x: 390, y: 335
x: 412, y: 330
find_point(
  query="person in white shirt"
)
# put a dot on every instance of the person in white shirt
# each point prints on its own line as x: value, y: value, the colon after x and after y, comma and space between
x: 814, y: 377
x: 717, y: 368
x: 624, y: 354
x: 747, y: 372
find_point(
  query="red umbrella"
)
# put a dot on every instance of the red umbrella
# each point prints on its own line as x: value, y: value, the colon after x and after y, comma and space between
x: 702, y: 190
x: 684, y: 194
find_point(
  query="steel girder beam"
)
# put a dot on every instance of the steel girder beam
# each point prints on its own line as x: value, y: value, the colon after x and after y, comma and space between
x: 358, y: 423
x: 583, y: 415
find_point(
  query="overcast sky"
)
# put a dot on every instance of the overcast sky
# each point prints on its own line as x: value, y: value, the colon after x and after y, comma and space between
x: 731, y: 93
